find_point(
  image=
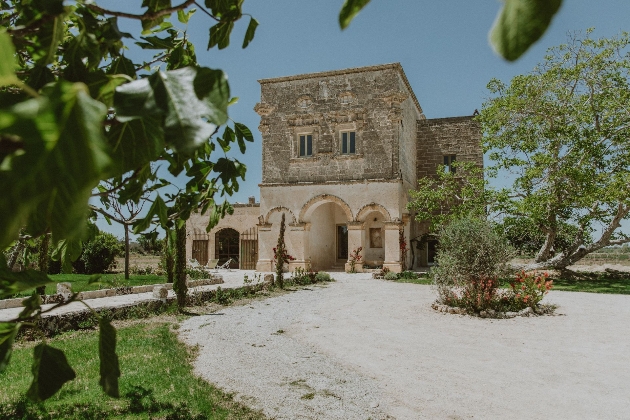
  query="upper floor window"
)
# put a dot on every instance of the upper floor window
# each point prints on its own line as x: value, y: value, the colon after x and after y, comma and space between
x: 306, y: 145
x: 348, y: 142
x: 448, y: 163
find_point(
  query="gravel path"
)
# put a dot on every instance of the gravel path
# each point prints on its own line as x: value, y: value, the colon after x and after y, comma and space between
x: 363, y: 348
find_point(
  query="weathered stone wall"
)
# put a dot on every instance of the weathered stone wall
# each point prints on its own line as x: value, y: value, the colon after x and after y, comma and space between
x: 245, y: 217
x: 460, y: 136
x: 371, y: 101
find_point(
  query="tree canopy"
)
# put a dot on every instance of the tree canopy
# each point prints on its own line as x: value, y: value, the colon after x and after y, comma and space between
x: 563, y: 131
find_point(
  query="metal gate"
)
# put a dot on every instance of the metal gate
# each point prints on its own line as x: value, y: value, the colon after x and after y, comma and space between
x: 249, y: 249
x: 200, y: 251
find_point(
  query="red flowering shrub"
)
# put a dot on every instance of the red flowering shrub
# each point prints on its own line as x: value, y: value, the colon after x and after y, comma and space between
x: 530, y: 288
x: 477, y: 295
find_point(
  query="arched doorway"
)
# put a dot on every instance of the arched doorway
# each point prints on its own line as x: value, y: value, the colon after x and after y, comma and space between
x: 328, y: 236
x: 227, y: 246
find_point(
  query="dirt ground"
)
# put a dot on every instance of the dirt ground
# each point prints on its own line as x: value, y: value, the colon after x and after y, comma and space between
x: 364, y: 348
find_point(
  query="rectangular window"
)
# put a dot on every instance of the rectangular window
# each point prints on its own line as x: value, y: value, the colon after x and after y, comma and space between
x: 306, y: 145
x: 448, y: 163
x: 348, y: 143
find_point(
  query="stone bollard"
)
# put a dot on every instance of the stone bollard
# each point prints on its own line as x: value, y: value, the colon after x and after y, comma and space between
x: 268, y: 281
x: 65, y: 290
x: 160, y: 292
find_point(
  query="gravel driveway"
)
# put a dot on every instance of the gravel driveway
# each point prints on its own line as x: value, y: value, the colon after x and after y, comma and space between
x: 362, y: 348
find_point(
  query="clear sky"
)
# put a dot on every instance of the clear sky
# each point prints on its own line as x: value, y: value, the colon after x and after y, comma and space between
x: 441, y: 44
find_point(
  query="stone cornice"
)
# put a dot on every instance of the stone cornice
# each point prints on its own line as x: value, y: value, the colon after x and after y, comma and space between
x: 348, y: 182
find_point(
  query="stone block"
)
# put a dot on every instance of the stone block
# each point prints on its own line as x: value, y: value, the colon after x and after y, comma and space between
x: 160, y: 292
x: 64, y: 289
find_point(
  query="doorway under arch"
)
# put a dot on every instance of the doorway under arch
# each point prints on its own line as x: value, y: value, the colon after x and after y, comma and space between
x: 328, y: 236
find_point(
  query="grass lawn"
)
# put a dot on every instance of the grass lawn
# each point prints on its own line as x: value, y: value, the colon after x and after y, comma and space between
x: 595, y: 283
x: 592, y: 282
x: 80, y: 282
x: 157, y: 380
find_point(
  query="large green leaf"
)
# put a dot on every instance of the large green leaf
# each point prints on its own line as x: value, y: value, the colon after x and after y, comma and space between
x: 251, y: 31
x: 192, y: 101
x: 49, y: 36
x: 154, y: 6
x: 67, y: 251
x: 50, y: 371
x: 159, y: 209
x: 7, y: 60
x: 109, y: 367
x: 8, y: 331
x: 122, y: 65
x: 220, y: 34
x: 135, y: 143
x: 15, y: 282
x: 63, y: 156
x: 349, y: 10
x: 519, y: 24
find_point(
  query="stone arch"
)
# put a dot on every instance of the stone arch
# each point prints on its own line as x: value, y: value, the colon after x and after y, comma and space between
x: 368, y: 208
x: 279, y: 209
x: 324, y: 198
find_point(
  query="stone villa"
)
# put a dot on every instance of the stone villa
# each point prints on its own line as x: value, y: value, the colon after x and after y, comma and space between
x: 340, y: 150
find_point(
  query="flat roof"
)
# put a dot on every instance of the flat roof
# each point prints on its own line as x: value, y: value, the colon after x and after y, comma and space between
x: 395, y: 66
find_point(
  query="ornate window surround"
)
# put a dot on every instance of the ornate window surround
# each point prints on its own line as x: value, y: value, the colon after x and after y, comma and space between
x: 295, y: 146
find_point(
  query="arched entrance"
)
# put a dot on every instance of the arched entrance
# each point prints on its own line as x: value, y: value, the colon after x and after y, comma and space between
x: 227, y: 246
x: 328, y: 236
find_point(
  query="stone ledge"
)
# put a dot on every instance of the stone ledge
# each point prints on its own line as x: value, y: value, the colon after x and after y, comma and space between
x: 117, y: 291
x: 544, y: 310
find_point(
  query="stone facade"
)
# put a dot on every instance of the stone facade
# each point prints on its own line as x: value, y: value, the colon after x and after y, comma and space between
x: 339, y: 194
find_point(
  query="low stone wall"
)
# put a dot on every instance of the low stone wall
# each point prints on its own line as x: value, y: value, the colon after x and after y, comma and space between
x: 117, y: 291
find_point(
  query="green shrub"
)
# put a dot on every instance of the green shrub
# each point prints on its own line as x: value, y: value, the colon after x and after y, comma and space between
x: 391, y: 276
x: 322, y: 276
x: 408, y: 275
x: 470, y: 259
x: 99, y: 254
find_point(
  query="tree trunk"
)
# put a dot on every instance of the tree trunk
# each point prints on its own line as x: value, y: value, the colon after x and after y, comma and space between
x: 179, y: 285
x: 42, y: 261
x: 126, y: 251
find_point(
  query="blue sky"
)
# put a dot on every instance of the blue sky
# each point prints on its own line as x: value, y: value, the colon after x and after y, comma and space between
x: 441, y: 44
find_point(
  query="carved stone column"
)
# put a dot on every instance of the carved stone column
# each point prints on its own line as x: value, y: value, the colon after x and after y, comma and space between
x: 392, y: 247
x: 299, y: 245
x: 265, y: 248
x: 355, y: 240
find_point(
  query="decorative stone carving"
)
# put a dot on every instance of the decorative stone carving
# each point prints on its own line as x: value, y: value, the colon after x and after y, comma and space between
x: 347, y: 98
x: 263, y: 109
x: 264, y: 126
x: 304, y: 101
x: 394, y: 98
x: 346, y: 116
x: 302, y: 120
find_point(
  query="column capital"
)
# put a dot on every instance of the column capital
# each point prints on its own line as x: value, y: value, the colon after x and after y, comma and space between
x: 392, y: 225
x: 355, y: 225
x: 300, y: 226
